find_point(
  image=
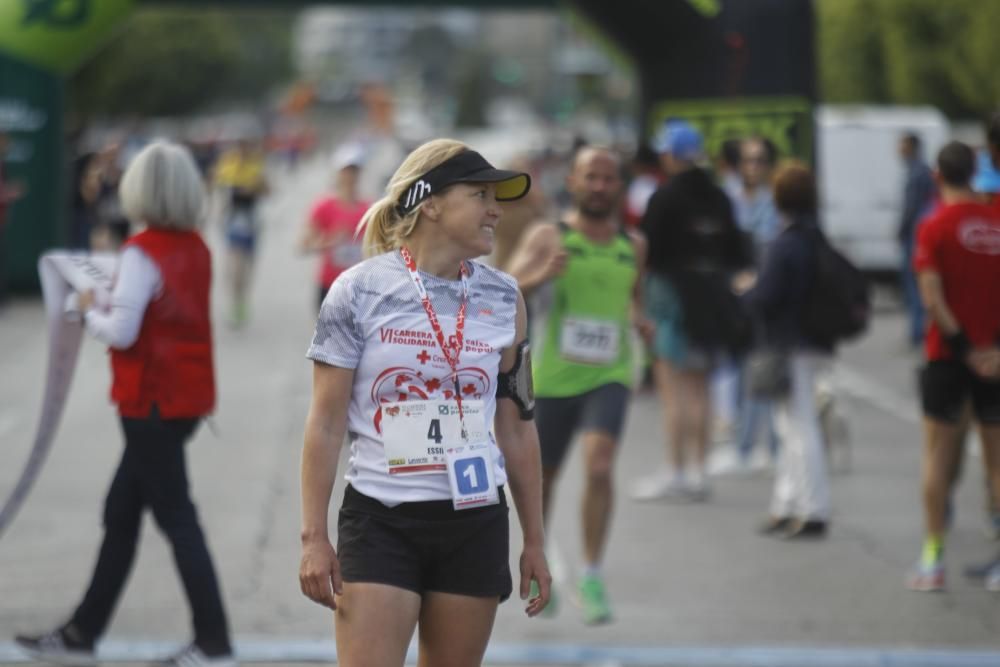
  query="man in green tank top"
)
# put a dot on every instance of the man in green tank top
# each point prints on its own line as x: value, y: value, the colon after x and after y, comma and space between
x: 583, y: 366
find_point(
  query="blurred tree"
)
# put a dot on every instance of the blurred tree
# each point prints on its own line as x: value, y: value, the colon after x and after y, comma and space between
x: 850, y: 51
x: 473, y: 90
x: 911, y: 52
x: 175, y: 61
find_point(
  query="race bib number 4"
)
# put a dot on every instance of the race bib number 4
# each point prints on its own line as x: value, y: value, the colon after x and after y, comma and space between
x: 589, y: 341
x: 416, y: 434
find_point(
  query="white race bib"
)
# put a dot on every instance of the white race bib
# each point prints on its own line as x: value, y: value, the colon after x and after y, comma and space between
x: 589, y: 341
x: 470, y: 474
x: 416, y: 434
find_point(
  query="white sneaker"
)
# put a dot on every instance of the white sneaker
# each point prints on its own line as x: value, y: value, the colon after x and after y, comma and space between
x: 726, y: 461
x: 192, y: 656
x: 761, y: 462
x: 699, y: 491
x: 661, y: 486
x: 992, y: 582
x: 53, y: 647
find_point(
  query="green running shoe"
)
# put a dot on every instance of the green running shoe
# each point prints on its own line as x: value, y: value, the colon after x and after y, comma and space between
x: 551, y: 608
x: 594, y: 600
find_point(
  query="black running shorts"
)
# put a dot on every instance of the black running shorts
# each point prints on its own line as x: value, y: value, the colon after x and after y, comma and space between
x: 425, y: 546
x: 946, y: 385
x: 559, y: 419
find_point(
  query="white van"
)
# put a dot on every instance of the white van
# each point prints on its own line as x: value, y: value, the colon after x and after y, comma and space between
x: 861, y: 176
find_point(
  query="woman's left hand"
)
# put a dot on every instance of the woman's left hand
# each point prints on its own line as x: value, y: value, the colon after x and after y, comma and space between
x: 535, y: 568
x: 86, y: 300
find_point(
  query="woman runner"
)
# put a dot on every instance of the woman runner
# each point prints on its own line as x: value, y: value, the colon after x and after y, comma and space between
x: 413, y: 348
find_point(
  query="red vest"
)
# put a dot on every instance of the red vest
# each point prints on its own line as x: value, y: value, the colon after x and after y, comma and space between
x: 170, y: 363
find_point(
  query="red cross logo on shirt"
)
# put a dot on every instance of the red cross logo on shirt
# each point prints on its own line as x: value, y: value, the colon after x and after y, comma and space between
x: 423, y: 357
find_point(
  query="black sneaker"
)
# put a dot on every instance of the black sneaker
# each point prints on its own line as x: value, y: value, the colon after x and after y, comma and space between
x: 979, y: 571
x: 61, y: 646
x: 774, y: 526
x: 810, y: 529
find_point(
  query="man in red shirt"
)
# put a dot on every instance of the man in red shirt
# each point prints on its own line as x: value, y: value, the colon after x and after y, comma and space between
x: 957, y: 262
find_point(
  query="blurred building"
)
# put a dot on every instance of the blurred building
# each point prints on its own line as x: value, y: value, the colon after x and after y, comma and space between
x: 454, y: 63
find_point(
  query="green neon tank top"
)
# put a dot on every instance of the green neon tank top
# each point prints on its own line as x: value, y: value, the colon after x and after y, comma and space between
x: 586, y: 334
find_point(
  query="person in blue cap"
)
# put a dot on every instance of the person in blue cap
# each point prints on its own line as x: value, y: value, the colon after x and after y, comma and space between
x: 695, y: 249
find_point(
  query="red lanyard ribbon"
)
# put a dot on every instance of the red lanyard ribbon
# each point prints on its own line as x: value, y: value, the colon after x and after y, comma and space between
x: 451, y: 353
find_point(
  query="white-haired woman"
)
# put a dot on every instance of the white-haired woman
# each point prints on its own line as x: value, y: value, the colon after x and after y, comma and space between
x: 420, y: 356
x: 160, y: 335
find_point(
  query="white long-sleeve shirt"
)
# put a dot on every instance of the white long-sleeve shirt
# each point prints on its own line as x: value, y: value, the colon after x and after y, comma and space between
x: 138, y: 282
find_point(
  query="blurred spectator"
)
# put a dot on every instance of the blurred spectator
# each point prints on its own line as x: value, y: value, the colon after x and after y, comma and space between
x: 918, y: 194
x: 993, y: 143
x: 83, y: 211
x: 384, y: 150
x: 694, y: 248
x: 159, y: 333
x: 992, y: 499
x: 728, y: 165
x: 800, y: 502
x: 332, y: 229
x: 753, y: 202
x: 957, y: 261
x: 205, y: 154
x: 9, y: 193
x: 756, y: 215
x: 987, y: 178
x: 100, y: 194
x: 646, y: 177
x: 240, y: 172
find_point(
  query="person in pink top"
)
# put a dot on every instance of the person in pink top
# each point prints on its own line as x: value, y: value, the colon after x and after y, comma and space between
x: 332, y: 230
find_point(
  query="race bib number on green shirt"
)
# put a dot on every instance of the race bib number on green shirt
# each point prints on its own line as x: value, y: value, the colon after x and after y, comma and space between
x: 589, y: 341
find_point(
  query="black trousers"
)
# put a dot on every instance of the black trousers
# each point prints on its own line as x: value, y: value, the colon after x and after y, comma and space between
x: 153, y: 474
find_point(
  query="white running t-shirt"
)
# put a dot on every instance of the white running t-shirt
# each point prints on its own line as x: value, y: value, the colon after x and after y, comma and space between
x: 372, y: 321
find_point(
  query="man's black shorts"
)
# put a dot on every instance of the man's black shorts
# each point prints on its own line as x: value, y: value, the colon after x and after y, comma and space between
x: 946, y: 386
x: 559, y: 419
x: 425, y: 546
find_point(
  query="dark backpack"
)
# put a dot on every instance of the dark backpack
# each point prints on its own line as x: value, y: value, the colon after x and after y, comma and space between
x: 838, y: 303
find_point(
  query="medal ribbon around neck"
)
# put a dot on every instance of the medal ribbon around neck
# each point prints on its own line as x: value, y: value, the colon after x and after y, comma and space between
x: 451, y: 355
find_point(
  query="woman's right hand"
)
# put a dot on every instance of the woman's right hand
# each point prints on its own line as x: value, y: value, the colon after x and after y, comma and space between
x: 319, y: 573
x: 985, y: 362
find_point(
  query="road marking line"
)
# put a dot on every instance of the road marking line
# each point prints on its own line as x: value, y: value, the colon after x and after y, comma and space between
x: 305, y: 651
x: 8, y: 422
x: 863, y: 387
x: 894, y: 403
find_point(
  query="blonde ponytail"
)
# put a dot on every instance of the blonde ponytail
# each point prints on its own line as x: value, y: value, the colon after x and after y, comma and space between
x: 384, y: 229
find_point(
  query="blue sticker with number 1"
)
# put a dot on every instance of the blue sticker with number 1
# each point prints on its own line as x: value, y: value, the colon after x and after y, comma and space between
x: 471, y: 475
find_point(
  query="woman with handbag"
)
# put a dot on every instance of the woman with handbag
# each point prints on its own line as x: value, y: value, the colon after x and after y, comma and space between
x: 790, y: 359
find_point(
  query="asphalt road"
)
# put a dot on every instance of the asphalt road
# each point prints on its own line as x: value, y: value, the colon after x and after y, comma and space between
x: 690, y: 585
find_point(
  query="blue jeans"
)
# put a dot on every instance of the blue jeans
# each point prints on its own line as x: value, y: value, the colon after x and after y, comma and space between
x: 911, y: 293
x: 751, y: 412
x: 754, y: 411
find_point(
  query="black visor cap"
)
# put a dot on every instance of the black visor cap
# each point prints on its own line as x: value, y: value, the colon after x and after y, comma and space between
x: 466, y: 167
